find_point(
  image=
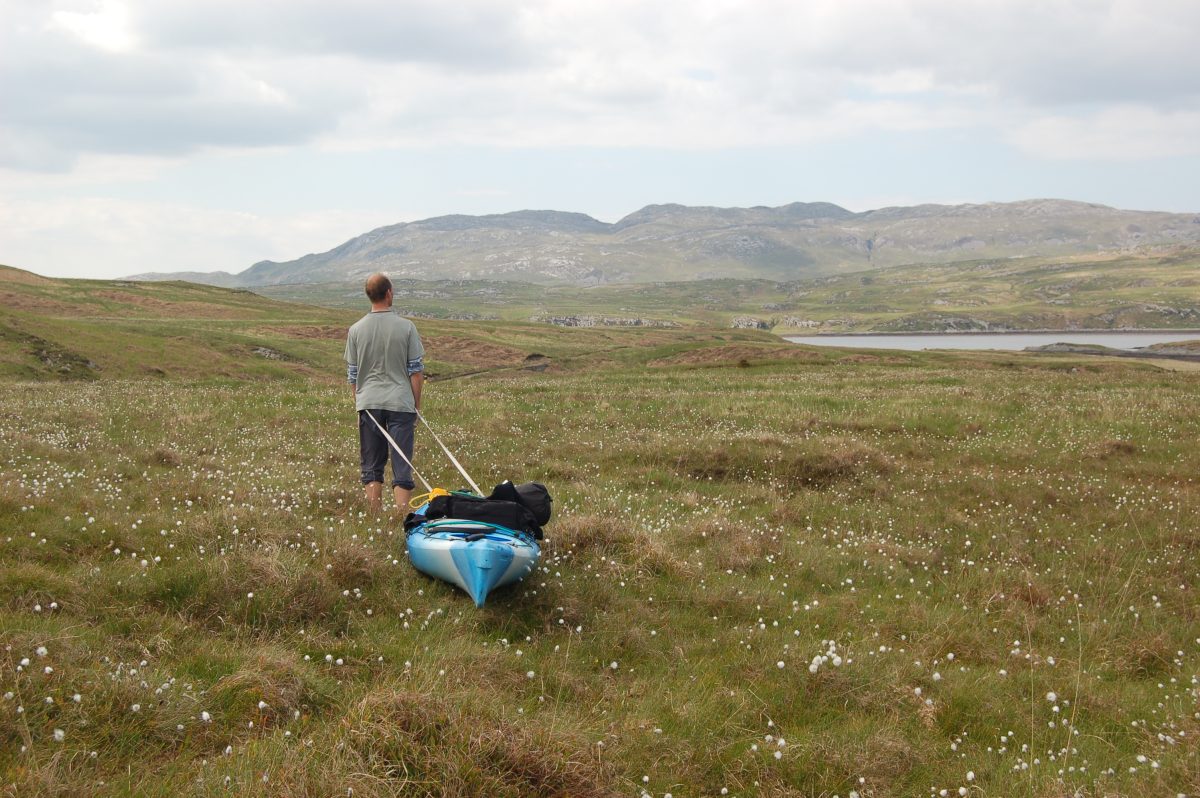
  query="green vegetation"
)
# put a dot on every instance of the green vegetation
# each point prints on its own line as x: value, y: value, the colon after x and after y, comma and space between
x: 774, y: 570
x: 1153, y: 291
x: 89, y: 329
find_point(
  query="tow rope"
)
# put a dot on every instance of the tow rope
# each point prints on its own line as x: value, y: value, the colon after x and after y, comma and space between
x: 432, y: 491
x: 400, y: 451
x: 424, y: 498
x: 453, y: 459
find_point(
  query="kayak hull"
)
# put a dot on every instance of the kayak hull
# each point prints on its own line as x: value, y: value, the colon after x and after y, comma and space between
x: 475, y: 556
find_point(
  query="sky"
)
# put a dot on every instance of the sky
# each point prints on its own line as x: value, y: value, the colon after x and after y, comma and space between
x: 173, y: 135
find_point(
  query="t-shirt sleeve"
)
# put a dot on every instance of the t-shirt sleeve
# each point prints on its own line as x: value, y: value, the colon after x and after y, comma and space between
x: 416, y: 351
x: 351, y: 350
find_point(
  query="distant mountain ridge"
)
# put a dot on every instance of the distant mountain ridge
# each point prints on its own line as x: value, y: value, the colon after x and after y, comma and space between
x: 679, y: 242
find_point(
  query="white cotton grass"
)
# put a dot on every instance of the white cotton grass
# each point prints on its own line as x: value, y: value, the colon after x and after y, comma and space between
x: 831, y: 656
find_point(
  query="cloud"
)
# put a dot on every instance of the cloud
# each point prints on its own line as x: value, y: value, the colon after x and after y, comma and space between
x: 1128, y: 132
x: 64, y: 96
x: 461, y: 36
x: 172, y: 77
x: 107, y: 237
x: 105, y: 26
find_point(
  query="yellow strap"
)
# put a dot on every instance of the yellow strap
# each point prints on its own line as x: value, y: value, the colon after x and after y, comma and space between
x: 425, y: 498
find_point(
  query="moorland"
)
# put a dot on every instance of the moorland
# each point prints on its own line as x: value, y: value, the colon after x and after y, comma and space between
x: 773, y: 570
x: 1097, y: 292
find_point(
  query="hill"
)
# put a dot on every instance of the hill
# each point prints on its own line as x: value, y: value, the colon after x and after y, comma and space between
x: 676, y: 242
x: 116, y: 329
x: 83, y: 329
x: 1145, y: 291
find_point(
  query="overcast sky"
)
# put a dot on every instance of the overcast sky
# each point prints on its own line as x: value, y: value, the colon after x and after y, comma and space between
x: 168, y: 135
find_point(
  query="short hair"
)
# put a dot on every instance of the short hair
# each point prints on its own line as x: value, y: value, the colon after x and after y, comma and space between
x: 378, y: 285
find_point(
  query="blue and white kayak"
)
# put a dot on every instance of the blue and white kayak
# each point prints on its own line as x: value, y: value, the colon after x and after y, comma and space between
x: 475, y: 555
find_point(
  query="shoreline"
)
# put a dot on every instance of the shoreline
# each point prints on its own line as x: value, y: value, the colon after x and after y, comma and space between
x: 1122, y: 331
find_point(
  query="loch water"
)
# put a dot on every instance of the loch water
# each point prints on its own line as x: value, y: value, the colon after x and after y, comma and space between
x: 1014, y: 341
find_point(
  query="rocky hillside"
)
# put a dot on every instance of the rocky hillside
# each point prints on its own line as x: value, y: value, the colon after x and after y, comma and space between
x: 676, y: 242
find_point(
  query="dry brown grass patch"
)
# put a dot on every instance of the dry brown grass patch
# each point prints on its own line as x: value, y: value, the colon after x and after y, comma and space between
x: 328, y: 332
x: 836, y: 461
x: 1033, y: 594
x: 165, y: 458
x: 16, y: 301
x: 353, y: 566
x: 160, y: 307
x: 22, y: 585
x: 297, y: 593
x: 420, y: 744
x: 735, y: 355
x: 276, y: 679
x: 470, y: 352
x: 1146, y: 656
x: 581, y: 534
x: 730, y: 546
x: 1115, y: 448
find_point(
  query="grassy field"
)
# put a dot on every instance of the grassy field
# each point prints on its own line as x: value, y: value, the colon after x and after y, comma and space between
x: 1104, y: 292
x: 96, y: 329
x: 773, y: 571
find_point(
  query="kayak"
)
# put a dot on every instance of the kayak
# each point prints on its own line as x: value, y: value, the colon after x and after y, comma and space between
x: 474, y: 555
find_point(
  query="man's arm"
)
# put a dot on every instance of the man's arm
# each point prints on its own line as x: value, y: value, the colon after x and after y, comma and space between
x: 351, y: 357
x: 417, y: 380
x: 416, y: 365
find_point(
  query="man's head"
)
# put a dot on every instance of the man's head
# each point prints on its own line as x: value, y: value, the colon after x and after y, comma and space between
x: 377, y: 288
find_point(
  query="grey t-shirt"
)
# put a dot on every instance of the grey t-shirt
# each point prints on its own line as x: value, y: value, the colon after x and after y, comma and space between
x: 386, y: 349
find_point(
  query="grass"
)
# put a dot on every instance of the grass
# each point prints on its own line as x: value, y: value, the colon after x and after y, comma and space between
x: 773, y: 570
x: 985, y: 529
x: 79, y: 330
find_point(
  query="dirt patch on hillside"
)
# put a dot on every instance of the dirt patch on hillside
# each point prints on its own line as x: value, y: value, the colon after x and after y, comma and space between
x: 10, y: 299
x: 470, y: 352
x: 735, y: 354
x: 326, y: 332
x: 11, y: 275
x: 864, y: 358
x: 189, y: 310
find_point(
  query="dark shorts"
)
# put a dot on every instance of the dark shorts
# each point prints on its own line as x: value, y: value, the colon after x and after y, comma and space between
x: 374, y: 448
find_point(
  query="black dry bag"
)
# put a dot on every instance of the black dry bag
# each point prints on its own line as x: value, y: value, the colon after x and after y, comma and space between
x: 532, y: 495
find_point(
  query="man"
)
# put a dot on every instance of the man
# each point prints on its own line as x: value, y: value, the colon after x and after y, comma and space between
x: 385, y: 368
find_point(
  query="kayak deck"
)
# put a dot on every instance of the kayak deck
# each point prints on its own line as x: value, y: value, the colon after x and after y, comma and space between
x: 476, y: 556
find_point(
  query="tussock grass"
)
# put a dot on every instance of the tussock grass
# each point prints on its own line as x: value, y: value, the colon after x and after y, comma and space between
x: 427, y: 745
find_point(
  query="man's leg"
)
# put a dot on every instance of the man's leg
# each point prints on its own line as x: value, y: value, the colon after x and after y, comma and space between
x: 402, y: 426
x: 374, y: 494
x: 373, y: 455
x: 401, y: 495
